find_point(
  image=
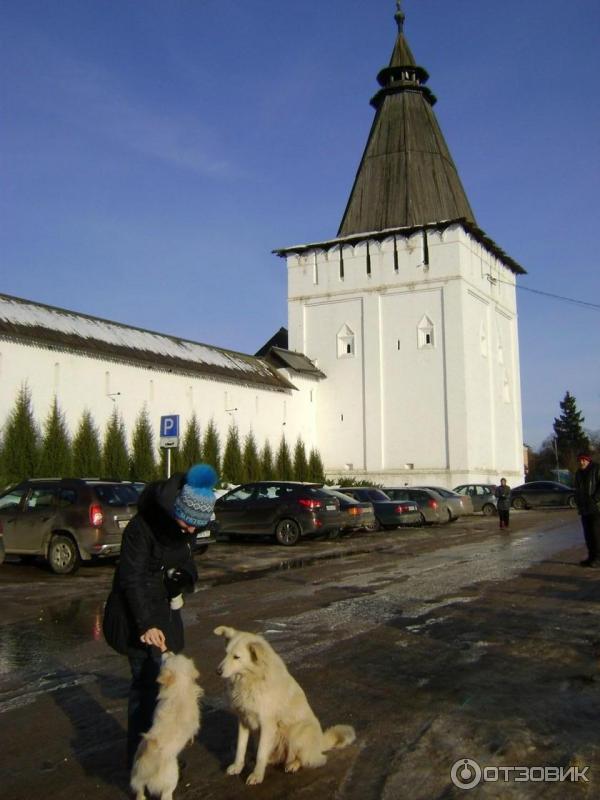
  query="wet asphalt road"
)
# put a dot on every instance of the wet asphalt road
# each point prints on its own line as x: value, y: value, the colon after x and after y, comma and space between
x: 436, y: 644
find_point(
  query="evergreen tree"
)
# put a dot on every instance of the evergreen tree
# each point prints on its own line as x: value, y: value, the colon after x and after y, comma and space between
x: 211, y: 447
x: 316, y: 471
x: 55, y: 452
x: 570, y: 436
x: 115, y: 459
x: 143, y: 464
x: 251, y: 466
x: 87, y: 455
x: 267, y: 470
x: 191, y: 451
x: 300, y: 462
x: 231, y: 471
x: 283, y: 462
x: 21, y: 438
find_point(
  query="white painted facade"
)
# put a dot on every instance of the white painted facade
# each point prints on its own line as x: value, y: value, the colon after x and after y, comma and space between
x: 421, y: 361
x: 80, y: 381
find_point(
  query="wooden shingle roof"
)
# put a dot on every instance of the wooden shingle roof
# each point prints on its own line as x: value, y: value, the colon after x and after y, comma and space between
x: 406, y: 176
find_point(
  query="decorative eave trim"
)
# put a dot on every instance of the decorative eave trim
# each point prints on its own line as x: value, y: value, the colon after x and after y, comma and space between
x: 469, y: 227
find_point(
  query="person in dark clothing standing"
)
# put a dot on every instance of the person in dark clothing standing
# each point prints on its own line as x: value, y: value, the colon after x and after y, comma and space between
x: 156, y: 567
x: 587, y: 497
x: 502, y: 492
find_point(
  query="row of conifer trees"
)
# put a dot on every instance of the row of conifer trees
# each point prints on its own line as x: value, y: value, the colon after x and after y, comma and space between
x: 27, y: 452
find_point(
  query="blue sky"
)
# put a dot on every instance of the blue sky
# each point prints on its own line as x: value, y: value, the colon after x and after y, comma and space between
x: 154, y: 153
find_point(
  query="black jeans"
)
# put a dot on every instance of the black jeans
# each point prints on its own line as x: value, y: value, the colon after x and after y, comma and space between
x: 143, y: 693
x: 503, y: 515
x: 591, y: 532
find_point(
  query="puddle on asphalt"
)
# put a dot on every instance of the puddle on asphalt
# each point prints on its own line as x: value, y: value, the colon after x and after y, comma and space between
x: 33, y: 645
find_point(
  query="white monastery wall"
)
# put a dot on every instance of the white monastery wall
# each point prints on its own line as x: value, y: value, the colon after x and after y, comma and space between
x: 82, y: 382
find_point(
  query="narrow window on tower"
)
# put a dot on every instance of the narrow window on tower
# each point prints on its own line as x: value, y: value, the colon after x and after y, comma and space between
x: 425, y: 337
x: 425, y: 249
x: 341, y: 264
x: 315, y: 269
x: 368, y: 260
x: 395, y: 255
x: 345, y: 342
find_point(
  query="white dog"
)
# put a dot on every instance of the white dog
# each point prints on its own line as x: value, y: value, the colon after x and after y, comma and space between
x: 175, y: 723
x: 267, y: 699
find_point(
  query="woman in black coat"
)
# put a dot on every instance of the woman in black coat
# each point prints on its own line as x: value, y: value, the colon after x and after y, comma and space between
x: 142, y: 618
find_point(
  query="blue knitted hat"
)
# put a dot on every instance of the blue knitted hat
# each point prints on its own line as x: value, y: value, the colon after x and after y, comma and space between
x: 195, y: 502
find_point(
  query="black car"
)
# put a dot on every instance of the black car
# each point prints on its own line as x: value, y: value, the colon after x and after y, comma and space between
x: 286, y: 510
x: 388, y: 513
x: 354, y: 514
x: 542, y: 493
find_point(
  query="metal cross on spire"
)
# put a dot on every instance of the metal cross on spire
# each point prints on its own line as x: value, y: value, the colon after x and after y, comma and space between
x: 399, y: 15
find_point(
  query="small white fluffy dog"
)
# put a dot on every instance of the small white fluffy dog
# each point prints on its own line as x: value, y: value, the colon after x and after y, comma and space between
x: 268, y: 700
x: 175, y: 723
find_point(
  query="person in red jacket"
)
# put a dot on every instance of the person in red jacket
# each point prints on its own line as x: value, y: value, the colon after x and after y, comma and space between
x: 587, y: 497
x: 156, y: 567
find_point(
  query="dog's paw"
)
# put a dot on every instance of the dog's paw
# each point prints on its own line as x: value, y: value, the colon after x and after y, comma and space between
x: 254, y: 778
x: 293, y: 766
x: 234, y: 769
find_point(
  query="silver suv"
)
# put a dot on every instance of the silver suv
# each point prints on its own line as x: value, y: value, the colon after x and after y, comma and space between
x: 66, y: 520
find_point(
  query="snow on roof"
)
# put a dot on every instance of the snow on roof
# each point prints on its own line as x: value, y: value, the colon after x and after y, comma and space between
x: 57, y: 326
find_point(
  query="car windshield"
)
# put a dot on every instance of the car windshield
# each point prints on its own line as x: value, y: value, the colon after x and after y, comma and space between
x: 117, y: 494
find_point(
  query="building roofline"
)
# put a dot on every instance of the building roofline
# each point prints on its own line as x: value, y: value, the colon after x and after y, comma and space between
x: 477, y: 233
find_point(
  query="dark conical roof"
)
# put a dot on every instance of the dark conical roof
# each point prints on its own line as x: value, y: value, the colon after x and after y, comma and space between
x: 406, y: 176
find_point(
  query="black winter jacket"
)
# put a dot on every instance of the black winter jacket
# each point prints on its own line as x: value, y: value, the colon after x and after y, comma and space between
x: 587, y: 489
x: 153, y: 544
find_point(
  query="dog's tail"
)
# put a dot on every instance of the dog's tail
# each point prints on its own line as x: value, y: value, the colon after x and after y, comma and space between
x: 338, y: 736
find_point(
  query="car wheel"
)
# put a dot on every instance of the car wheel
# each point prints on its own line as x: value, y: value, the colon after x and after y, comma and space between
x: 572, y: 503
x: 519, y: 503
x: 489, y: 510
x: 63, y: 555
x: 287, y: 532
x: 450, y: 517
x: 422, y: 520
x: 374, y: 526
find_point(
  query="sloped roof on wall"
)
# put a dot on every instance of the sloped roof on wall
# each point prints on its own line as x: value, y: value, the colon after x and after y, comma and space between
x: 298, y: 362
x: 49, y: 326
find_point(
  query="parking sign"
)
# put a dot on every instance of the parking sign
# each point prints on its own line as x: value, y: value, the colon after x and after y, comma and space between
x: 169, y: 431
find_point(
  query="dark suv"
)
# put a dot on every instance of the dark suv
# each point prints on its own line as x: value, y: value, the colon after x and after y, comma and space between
x: 285, y: 509
x: 66, y: 520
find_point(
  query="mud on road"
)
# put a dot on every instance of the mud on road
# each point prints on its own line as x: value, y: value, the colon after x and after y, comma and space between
x: 437, y: 645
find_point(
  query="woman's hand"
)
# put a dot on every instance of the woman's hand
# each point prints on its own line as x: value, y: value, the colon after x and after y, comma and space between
x: 154, y: 637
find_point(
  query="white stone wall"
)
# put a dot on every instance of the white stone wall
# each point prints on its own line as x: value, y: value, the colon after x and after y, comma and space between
x: 430, y: 391
x: 81, y: 382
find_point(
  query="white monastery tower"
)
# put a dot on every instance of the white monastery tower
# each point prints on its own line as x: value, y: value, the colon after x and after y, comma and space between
x: 410, y: 311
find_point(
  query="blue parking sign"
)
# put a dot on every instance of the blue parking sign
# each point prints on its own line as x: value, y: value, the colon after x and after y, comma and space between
x: 169, y: 425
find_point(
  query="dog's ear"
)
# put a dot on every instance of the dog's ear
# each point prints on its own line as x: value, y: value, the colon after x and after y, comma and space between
x: 257, y: 651
x: 166, y: 677
x: 223, y: 630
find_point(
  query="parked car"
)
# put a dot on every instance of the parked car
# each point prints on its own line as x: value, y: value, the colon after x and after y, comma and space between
x: 66, y: 520
x: 542, y: 493
x: 431, y: 509
x: 287, y: 510
x: 482, y: 496
x: 354, y: 514
x: 2, y: 551
x: 388, y: 513
x: 456, y: 505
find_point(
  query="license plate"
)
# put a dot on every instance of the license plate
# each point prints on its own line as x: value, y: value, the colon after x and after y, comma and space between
x: 203, y: 535
x: 331, y: 508
x: 122, y: 523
